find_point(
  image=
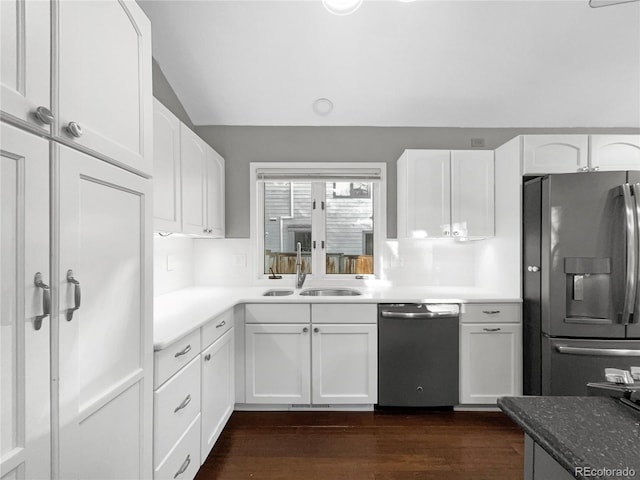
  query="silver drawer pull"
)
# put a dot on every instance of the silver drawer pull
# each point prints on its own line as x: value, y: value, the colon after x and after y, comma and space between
x: 184, y: 466
x: 221, y: 324
x: 491, y: 312
x: 492, y: 329
x: 184, y: 403
x: 186, y: 350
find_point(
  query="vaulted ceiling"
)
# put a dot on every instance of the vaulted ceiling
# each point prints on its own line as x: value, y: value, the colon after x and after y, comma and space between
x: 473, y: 63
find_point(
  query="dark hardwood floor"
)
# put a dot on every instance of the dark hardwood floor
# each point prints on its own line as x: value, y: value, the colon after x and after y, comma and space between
x: 381, y: 445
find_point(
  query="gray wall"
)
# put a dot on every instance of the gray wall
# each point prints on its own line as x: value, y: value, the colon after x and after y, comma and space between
x: 163, y: 91
x: 240, y: 145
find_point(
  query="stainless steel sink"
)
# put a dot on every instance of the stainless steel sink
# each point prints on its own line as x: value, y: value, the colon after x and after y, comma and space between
x: 277, y: 293
x: 330, y: 292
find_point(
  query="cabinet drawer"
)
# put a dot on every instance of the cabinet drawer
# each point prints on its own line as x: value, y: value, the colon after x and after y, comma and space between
x: 216, y: 327
x: 277, y: 313
x: 344, y: 313
x: 184, y: 460
x: 171, y: 359
x: 491, y: 313
x: 175, y: 404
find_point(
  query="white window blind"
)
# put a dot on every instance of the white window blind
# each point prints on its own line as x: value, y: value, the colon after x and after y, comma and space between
x: 337, y: 174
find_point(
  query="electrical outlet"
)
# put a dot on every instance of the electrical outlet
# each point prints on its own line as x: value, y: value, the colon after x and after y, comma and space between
x: 172, y: 263
x: 477, y: 142
x: 239, y: 260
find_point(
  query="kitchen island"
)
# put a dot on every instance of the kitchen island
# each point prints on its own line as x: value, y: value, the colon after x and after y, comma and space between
x: 577, y: 437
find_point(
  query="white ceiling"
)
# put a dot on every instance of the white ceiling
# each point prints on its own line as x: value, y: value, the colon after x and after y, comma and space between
x: 474, y: 63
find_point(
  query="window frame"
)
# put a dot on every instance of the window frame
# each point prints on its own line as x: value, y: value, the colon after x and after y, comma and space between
x: 318, y: 223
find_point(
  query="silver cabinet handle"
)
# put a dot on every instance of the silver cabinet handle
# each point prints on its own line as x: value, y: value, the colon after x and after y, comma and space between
x: 77, y: 295
x: 595, y: 169
x: 207, y: 357
x: 316, y: 330
x: 74, y: 129
x: 184, y: 403
x: 604, y: 352
x: 184, y: 466
x: 221, y: 324
x: 583, y: 169
x: 43, y: 115
x: 533, y: 268
x: 497, y: 329
x: 632, y: 246
x: 491, y: 312
x: 456, y: 233
x: 305, y: 330
x: 46, y: 300
x: 184, y: 351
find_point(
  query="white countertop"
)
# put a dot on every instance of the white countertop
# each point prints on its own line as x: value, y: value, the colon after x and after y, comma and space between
x: 178, y: 313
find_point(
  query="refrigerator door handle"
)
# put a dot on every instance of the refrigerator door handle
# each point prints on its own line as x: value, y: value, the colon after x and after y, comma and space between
x: 636, y: 195
x: 631, y: 226
x: 602, y: 352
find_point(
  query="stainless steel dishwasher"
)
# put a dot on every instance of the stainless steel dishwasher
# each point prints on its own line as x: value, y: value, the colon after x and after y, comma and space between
x: 418, y: 355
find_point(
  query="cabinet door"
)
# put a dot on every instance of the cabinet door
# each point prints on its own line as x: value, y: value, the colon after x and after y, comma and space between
x: 105, y: 345
x: 215, y: 194
x: 554, y: 154
x: 472, y: 194
x: 102, y: 80
x: 344, y: 364
x: 614, y: 152
x: 277, y: 363
x: 218, y: 390
x: 490, y: 362
x: 24, y: 327
x: 166, y: 170
x: 193, y: 157
x: 25, y: 52
x: 424, y: 195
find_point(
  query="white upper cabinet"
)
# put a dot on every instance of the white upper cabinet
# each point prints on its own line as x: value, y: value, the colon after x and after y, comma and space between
x: 193, y: 153
x: 25, y: 52
x: 215, y: 194
x: 202, y: 186
x: 545, y: 154
x: 443, y: 193
x: 167, y: 193
x: 472, y: 193
x: 102, y: 81
x: 614, y: 152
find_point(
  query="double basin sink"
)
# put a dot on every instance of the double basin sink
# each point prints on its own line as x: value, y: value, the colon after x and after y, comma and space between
x: 315, y: 292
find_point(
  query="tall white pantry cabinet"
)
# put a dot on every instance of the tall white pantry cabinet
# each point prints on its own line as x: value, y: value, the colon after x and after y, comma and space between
x: 76, y: 346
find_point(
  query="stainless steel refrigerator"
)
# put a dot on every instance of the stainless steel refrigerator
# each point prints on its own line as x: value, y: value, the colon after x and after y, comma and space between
x: 581, y: 291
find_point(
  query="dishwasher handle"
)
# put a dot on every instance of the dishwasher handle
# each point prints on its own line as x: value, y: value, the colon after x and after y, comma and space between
x: 388, y: 314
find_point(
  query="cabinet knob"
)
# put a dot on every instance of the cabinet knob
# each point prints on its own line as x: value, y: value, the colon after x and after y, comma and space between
x: 316, y: 330
x: 43, y: 115
x: 207, y: 357
x: 74, y: 129
x: 305, y: 330
x: 583, y: 169
x: 446, y: 233
x: 533, y: 268
x: 595, y: 169
x: 456, y: 233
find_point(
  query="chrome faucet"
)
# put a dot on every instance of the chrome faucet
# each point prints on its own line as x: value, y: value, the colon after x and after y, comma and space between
x: 300, y: 277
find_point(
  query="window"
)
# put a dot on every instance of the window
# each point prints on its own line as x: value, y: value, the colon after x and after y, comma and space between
x: 336, y: 220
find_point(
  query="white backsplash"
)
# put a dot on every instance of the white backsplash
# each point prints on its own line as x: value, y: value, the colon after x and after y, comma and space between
x: 406, y: 262
x: 173, y: 263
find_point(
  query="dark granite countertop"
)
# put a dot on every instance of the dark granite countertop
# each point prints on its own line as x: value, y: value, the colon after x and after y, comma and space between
x: 596, y: 432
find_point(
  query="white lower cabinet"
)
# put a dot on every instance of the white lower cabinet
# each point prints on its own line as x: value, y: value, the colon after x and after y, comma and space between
x: 490, y: 352
x: 194, y: 397
x: 312, y: 362
x: 218, y: 390
x: 344, y: 361
x: 277, y: 363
